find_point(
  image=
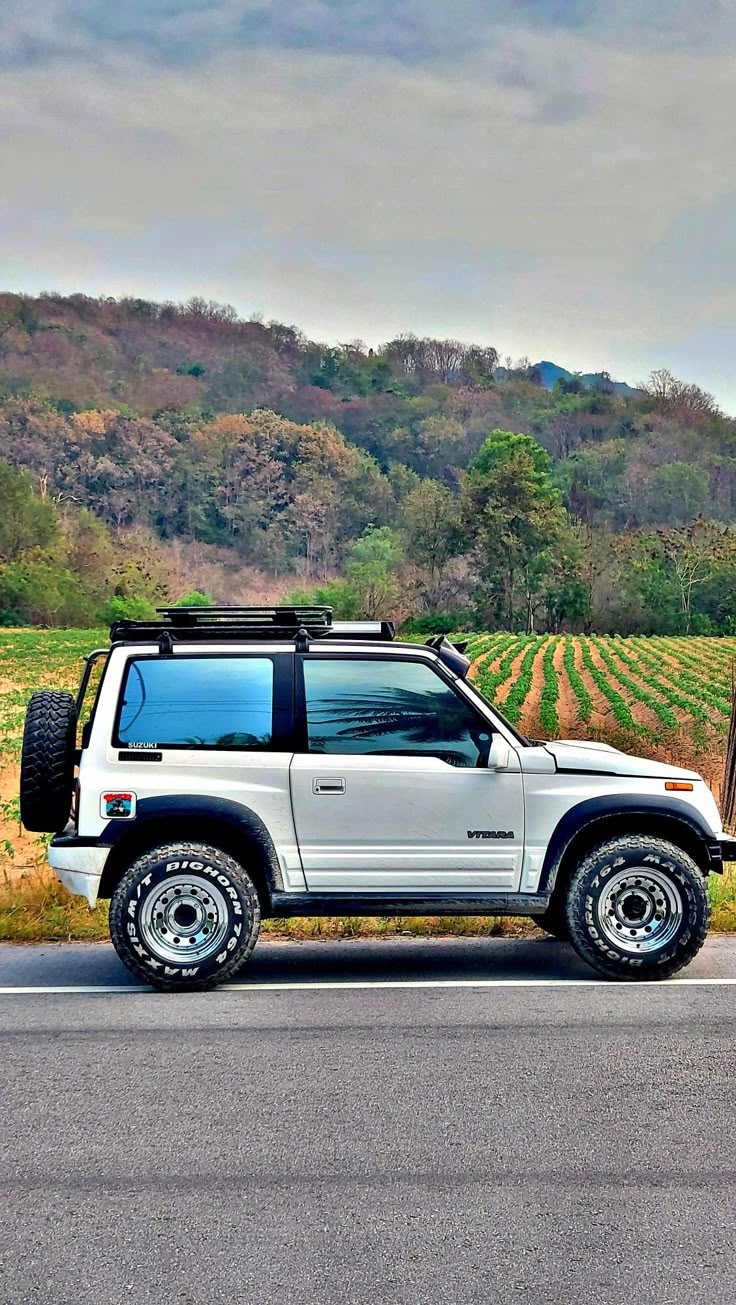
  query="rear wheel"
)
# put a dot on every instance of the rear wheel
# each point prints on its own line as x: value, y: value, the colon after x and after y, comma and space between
x: 184, y: 916
x: 637, y: 908
x: 47, y: 761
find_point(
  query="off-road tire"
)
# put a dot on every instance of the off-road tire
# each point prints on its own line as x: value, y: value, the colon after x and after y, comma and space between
x: 554, y: 922
x: 47, y: 761
x: 143, y: 905
x: 587, y: 891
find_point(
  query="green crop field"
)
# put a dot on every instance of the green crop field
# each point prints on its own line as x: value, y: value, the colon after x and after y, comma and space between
x: 664, y: 697
x: 668, y: 697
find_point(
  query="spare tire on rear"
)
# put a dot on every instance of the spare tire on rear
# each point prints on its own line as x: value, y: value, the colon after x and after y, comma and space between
x: 47, y: 761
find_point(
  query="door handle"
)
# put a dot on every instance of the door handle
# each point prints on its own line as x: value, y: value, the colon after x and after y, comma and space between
x: 328, y: 784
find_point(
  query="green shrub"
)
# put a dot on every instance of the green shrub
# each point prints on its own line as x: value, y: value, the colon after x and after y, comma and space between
x: 131, y: 609
x: 41, y: 591
x: 195, y: 599
x: 439, y: 622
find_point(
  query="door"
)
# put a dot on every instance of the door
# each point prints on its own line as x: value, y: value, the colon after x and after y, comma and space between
x: 391, y: 791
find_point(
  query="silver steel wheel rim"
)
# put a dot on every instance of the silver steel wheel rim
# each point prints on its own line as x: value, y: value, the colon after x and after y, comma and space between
x: 640, y: 910
x: 184, y: 919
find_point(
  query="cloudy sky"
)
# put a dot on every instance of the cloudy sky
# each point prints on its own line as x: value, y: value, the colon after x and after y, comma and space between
x: 554, y: 177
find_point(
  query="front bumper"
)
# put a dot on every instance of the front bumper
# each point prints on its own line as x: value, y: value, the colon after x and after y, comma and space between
x: 78, y: 863
x: 728, y: 849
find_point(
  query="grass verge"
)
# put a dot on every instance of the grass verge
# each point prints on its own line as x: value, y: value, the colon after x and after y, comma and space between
x: 37, y: 908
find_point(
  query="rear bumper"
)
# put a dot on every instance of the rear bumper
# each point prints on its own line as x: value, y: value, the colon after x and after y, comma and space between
x: 78, y: 863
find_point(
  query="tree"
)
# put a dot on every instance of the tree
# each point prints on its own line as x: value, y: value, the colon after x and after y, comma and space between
x: 664, y: 573
x: 679, y: 493
x: 450, y: 361
x: 567, y: 585
x: 372, y: 571
x: 25, y: 521
x: 38, y: 590
x: 680, y: 396
x: 144, y: 414
x: 435, y: 444
x: 694, y: 552
x: 433, y: 533
x: 634, y: 590
x: 141, y: 568
x: 90, y: 553
x: 370, y: 589
x: 513, y: 520
x: 247, y: 456
x: 340, y: 595
x: 591, y: 479
x: 322, y: 471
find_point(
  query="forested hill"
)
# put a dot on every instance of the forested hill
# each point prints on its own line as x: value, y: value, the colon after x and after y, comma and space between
x: 248, y: 460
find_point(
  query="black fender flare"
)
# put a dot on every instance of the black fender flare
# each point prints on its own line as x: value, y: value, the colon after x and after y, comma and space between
x: 171, y: 810
x: 584, y: 816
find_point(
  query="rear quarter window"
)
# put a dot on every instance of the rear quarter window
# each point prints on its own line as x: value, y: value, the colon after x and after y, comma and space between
x: 196, y: 702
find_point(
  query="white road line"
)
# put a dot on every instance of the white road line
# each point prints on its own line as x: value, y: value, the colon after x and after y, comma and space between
x: 465, y: 983
x: 77, y: 987
x: 343, y: 985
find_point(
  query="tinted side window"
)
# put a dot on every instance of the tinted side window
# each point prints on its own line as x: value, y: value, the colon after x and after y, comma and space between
x: 389, y: 708
x: 197, y: 702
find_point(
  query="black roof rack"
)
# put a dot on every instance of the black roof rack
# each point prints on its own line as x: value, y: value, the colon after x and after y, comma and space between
x: 221, y: 624
x: 291, y: 616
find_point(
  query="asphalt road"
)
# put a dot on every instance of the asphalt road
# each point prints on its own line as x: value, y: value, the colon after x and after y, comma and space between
x: 502, y: 1130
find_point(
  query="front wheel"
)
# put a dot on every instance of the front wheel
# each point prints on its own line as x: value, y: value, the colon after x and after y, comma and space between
x: 184, y: 916
x: 637, y: 908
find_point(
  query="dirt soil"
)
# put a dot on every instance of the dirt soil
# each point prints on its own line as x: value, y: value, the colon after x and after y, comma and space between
x: 26, y: 848
x: 473, y: 669
x: 530, y: 710
x: 601, y: 717
x: 568, y: 710
x: 493, y: 663
x: 671, y: 660
x: 642, y: 715
x: 503, y: 690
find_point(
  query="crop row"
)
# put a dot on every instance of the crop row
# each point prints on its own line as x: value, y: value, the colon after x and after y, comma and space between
x: 690, y: 686
x: 645, y: 685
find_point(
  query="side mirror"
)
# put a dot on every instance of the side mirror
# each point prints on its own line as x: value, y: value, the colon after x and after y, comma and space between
x: 498, y: 753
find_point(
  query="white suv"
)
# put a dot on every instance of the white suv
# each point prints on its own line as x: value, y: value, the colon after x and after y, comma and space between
x: 240, y: 763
